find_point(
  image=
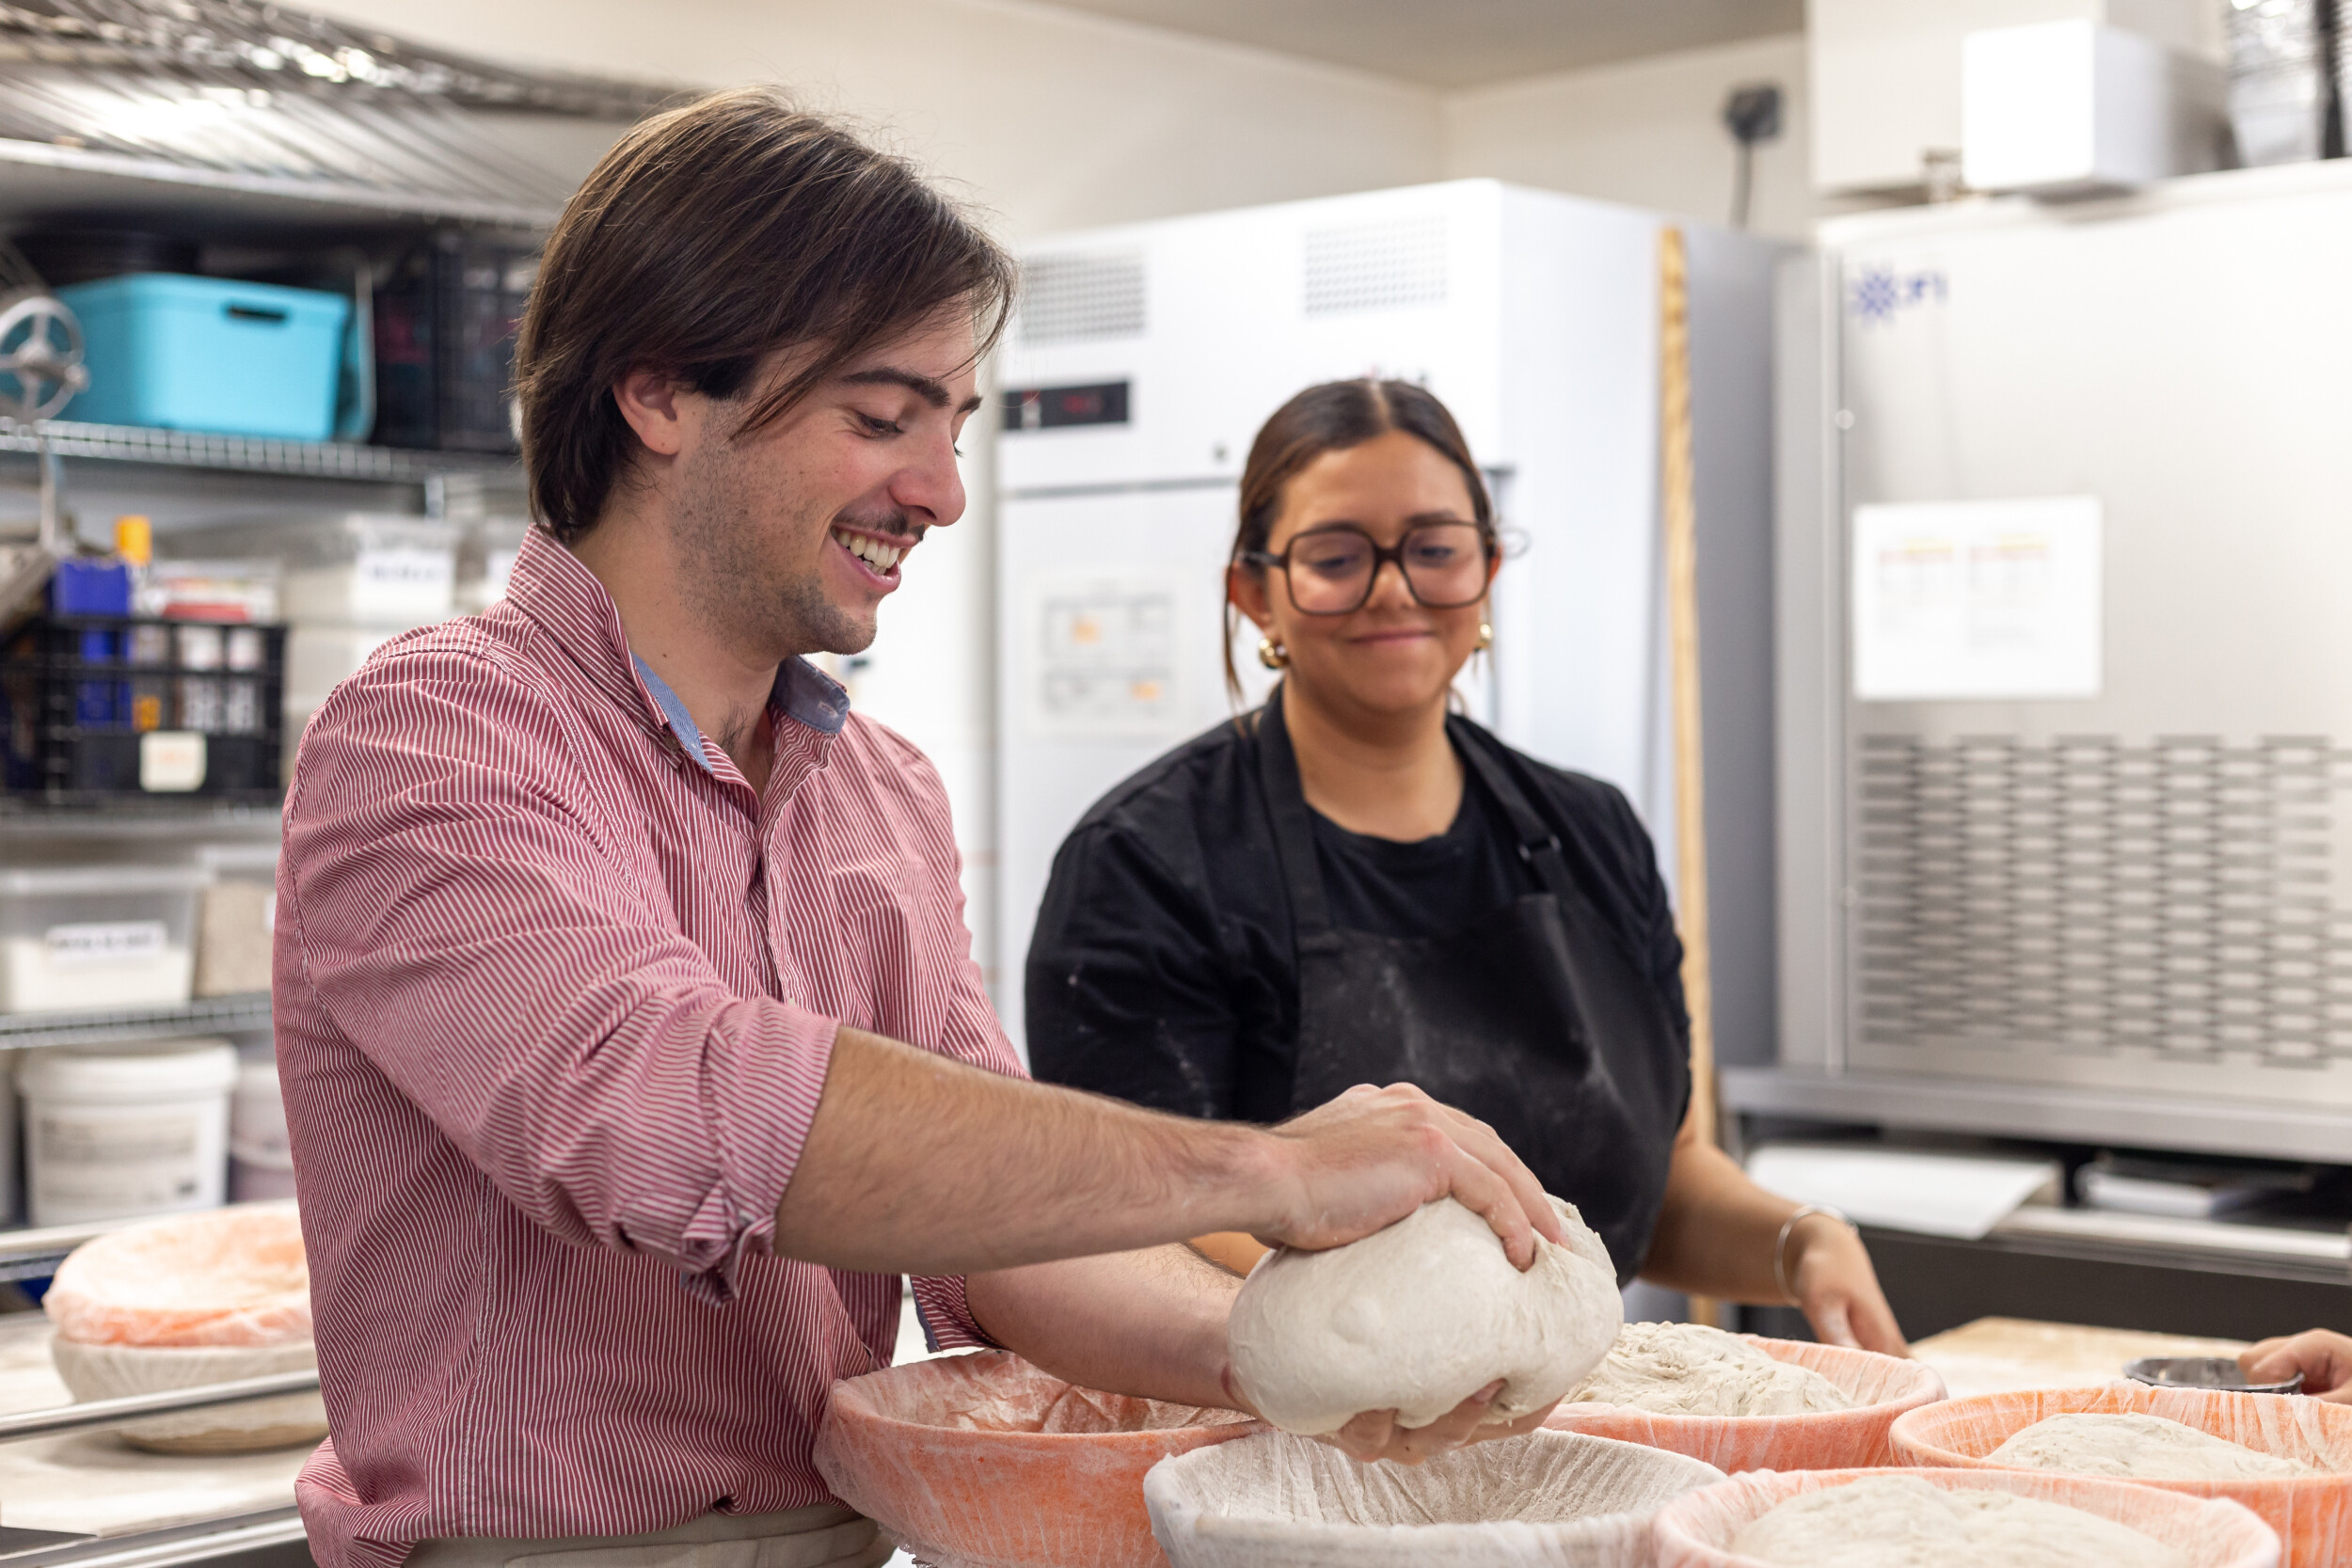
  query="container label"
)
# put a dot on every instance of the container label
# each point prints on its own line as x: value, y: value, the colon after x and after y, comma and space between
x: 396, y: 570
x: 172, y: 761
x: 98, y: 943
x: 117, y: 1164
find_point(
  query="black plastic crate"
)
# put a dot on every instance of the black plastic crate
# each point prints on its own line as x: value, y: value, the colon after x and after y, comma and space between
x: 446, y: 314
x: 103, y: 709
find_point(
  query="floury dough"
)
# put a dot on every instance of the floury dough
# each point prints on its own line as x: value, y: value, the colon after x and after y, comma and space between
x: 1417, y: 1318
x: 1691, y: 1370
x: 2140, y: 1447
x: 1902, y: 1522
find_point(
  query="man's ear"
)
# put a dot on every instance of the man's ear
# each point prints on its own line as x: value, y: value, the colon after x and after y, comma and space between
x: 648, y: 400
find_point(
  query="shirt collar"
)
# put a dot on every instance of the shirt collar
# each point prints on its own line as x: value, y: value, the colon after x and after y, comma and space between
x: 552, y: 586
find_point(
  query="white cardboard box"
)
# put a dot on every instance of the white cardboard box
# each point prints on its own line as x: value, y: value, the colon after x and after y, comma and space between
x: 2059, y: 108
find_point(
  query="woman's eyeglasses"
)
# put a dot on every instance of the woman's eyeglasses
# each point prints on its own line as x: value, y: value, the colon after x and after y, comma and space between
x: 1330, y: 570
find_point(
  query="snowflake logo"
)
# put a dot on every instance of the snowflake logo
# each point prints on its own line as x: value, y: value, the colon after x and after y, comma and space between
x: 1879, y: 293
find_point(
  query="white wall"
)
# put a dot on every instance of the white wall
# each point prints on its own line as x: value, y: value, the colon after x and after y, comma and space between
x: 1646, y: 133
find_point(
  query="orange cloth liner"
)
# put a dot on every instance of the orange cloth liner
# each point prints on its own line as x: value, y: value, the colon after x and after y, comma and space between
x: 1886, y: 1385
x: 231, y: 1277
x: 983, y: 1461
x: 2313, y: 1515
x: 1694, y: 1531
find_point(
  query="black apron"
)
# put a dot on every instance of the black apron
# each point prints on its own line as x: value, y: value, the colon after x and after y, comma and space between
x: 1534, y: 1018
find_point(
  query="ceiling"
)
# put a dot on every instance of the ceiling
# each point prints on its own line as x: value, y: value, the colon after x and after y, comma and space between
x: 1460, y: 43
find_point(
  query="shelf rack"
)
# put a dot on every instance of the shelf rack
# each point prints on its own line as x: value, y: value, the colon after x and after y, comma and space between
x: 251, y: 455
x: 245, y: 1013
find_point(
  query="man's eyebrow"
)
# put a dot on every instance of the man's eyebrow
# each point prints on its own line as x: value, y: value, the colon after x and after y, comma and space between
x: 922, y: 386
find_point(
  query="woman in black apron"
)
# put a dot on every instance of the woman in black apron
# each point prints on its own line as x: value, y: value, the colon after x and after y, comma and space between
x: 1352, y: 885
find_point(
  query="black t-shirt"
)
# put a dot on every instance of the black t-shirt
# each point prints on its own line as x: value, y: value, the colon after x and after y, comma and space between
x: 1163, y: 966
x: 1431, y: 887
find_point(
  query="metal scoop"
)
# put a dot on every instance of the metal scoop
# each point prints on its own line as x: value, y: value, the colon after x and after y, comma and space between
x: 2202, y: 1371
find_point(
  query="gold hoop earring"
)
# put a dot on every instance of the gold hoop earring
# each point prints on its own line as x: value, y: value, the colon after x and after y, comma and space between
x: 1272, y: 654
x: 1485, y: 635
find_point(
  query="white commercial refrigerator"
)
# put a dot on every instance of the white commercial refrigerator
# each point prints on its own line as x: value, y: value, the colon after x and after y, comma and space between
x: 2067, y: 670
x: 1143, y: 361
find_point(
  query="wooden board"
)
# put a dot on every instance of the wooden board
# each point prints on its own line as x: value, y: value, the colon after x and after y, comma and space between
x: 1995, y: 1355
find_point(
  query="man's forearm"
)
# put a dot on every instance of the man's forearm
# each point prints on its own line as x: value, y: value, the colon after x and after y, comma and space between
x: 1149, y: 1323
x: 919, y: 1164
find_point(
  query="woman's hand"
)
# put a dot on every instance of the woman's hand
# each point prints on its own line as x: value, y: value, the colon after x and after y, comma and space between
x: 2322, y: 1356
x: 1829, y: 1272
x: 1375, y: 1435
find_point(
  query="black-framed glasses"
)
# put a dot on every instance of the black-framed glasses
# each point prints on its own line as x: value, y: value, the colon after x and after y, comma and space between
x: 1330, y: 570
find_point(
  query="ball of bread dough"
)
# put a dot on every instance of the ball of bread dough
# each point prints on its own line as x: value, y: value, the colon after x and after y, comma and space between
x: 1419, y: 1317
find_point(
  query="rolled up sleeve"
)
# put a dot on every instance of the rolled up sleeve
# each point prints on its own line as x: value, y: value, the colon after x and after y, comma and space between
x: 522, y: 982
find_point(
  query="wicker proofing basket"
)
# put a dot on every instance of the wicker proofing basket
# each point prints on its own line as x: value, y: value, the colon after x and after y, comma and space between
x: 2313, y: 1516
x: 983, y: 1461
x: 1885, y: 1386
x: 1695, y: 1531
x: 1548, y: 1499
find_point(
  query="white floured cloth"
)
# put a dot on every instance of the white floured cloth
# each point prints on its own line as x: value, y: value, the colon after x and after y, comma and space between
x: 825, y: 1536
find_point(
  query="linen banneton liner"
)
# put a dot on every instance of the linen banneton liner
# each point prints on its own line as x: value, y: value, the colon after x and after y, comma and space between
x: 229, y: 1276
x: 2313, y: 1515
x: 1695, y: 1531
x: 1883, y: 1386
x: 1550, y: 1499
x: 983, y: 1461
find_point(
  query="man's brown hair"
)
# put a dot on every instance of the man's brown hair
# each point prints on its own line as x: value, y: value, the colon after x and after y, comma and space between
x: 710, y: 237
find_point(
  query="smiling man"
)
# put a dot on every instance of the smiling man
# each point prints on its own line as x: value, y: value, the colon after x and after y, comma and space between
x: 631, y: 1040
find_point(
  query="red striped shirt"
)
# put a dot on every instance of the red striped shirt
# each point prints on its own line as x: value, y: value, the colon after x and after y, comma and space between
x: 555, y: 996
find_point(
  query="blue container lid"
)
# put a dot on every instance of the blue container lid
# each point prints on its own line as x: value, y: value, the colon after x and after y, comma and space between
x: 208, y: 294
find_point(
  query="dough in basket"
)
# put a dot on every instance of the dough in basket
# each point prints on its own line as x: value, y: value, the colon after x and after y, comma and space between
x: 1903, y: 1522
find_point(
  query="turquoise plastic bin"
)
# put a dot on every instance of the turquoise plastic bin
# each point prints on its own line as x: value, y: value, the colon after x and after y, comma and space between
x: 209, y: 353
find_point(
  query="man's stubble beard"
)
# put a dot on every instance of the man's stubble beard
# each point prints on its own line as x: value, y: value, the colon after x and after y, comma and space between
x: 737, y: 576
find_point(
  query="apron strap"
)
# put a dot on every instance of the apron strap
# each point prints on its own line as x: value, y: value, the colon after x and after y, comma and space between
x: 1538, y: 845
x: 1294, y: 835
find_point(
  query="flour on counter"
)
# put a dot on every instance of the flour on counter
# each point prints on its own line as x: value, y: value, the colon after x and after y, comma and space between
x: 1902, y: 1522
x: 1419, y: 1317
x: 2141, y: 1448
x: 1691, y: 1370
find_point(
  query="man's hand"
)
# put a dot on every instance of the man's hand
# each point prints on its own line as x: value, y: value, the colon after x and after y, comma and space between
x: 1831, y: 1274
x: 2322, y: 1356
x: 1373, y: 1156
x: 1375, y: 1435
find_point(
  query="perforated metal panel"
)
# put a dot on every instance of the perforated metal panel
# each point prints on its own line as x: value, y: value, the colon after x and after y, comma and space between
x: 2088, y: 898
x: 1072, y: 299
x: 1375, y: 266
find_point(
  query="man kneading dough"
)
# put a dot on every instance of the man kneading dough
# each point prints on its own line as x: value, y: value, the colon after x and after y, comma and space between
x: 631, y: 1041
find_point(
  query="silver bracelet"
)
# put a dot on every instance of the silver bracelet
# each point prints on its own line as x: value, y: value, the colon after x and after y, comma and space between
x: 1780, y: 1245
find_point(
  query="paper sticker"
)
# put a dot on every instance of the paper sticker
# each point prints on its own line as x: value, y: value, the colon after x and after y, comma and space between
x: 1978, y: 599
x: 172, y: 761
x: 398, y: 569
x: 94, y: 943
x: 1105, y: 656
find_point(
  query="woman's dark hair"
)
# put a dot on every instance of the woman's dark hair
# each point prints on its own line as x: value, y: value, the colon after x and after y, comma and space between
x: 710, y: 237
x: 1334, y: 417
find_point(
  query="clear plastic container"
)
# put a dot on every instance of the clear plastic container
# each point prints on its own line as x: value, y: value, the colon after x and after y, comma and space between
x: 372, y: 568
x: 236, y: 918
x: 128, y: 1131
x: 97, y: 937
x: 486, y: 557
x: 260, y: 1155
x: 320, y: 658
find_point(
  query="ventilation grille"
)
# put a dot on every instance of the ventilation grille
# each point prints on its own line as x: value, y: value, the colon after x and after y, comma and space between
x: 1077, y: 299
x: 2090, y: 898
x: 1375, y: 266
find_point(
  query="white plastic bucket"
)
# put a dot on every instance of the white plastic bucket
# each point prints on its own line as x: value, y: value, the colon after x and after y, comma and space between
x: 261, y: 1157
x: 127, y: 1132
